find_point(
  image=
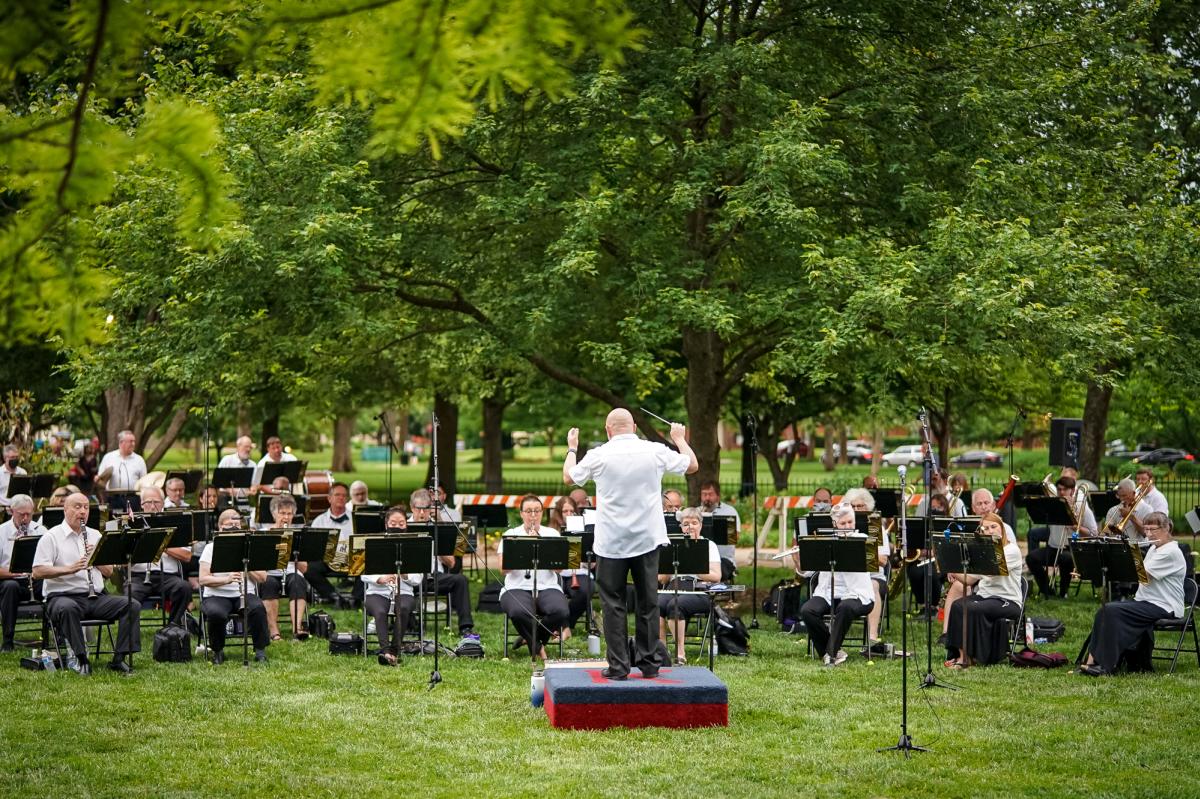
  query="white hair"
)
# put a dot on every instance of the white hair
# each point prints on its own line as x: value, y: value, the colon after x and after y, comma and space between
x: 859, y: 495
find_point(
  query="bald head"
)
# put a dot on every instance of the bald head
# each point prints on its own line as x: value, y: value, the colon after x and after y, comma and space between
x: 619, y: 422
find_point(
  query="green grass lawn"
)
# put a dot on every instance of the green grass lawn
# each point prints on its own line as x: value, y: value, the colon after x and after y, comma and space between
x: 312, y: 724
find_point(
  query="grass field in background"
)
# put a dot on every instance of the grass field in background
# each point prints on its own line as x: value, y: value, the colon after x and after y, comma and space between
x: 312, y: 724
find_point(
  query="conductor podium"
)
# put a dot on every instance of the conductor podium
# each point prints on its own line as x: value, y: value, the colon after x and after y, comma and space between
x: 577, y: 697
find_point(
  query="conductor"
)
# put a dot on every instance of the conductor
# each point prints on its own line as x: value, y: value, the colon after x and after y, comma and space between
x: 629, y: 530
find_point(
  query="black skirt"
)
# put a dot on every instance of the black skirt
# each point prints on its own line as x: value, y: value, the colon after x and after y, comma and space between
x: 988, y: 630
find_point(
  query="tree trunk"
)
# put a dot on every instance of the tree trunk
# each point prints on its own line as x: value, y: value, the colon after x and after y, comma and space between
x: 939, y: 427
x: 270, y: 427
x: 447, y: 445
x: 169, y: 437
x: 876, y: 450
x: 843, y: 456
x: 125, y: 409
x: 1095, y: 429
x: 493, y: 445
x: 343, y: 431
x: 705, y: 355
x: 244, y: 428
x: 827, y: 455
x: 550, y: 442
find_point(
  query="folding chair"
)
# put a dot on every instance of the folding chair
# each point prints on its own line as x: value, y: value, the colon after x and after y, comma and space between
x: 1182, y: 626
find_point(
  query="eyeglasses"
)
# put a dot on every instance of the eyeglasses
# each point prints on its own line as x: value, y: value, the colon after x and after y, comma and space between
x: 532, y: 510
x: 421, y: 507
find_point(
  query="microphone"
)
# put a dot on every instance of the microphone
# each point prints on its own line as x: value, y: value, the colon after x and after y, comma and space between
x: 902, y: 470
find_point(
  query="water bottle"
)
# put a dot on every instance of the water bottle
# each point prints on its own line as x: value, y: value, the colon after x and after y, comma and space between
x: 593, y: 645
x: 537, y: 689
x: 48, y: 661
x: 1029, y: 632
x: 72, y: 661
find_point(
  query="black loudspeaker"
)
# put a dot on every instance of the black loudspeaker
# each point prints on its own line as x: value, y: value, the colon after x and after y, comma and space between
x: 1066, y: 442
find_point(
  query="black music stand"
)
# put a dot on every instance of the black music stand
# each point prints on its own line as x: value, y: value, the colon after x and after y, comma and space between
x: 1023, y: 492
x: 231, y: 477
x: 887, y: 501
x: 53, y: 517
x: 191, y: 478
x: 721, y: 530
x: 289, y: 469
x: 1051, y: 511
x: 367, y: 522
x: 532, y: 553
x: 688, y: 555
x: 672, y: 522
x: 21, y: 562
x: 127, y: 547
x: 1109, y: 560
x: 955, y: 524
x: 311, y: 545
x: 398, y: 554
x: 245, y: 552
x: 1102, y: 502
x: 491, y: 516
x: 37, y: 486
x: 123, y: 502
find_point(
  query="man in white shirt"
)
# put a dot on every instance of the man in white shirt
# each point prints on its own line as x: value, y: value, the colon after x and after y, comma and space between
x: 1126, y: 491
x: 359, y: 497
x: 12, y: 457
x: 275, y: 454
x: 121, y: 468
x: 74, y: 591
x: 175, y: 488
x: 336, y: 518
x: 710, y: 502
x: 629, y: 530
x: 1057, y: 551
x: 1155, y: 500
x: 166, y: 578
x: 15, y: 587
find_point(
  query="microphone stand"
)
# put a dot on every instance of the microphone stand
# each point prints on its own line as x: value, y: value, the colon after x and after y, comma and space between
x: 435, y: 676
x: 1012, y: 431
x: 202, y: 642
x: 753, y: 442
x: 387, y: 429
x: 905, y: 744
x: 930, y: 468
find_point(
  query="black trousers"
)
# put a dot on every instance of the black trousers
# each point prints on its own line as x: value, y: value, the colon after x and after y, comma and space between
x: 66, y: 611
x: 916, y: 580
x: 218, y: 609
x: 577, y: 598
x: 828, y: 640
x: 175, y: 591
x: 296, y: 587
x: 1120, y: 626
x: 1041, y: 559
x: 12, y: 594
x: 685, y: 606
x: 987, y: 635
x: 456, y: 587
x: 610, y: 582
x: 551, y: 606
x: 318, y: 577
x: 1037, y: 537
x: 378, y: 607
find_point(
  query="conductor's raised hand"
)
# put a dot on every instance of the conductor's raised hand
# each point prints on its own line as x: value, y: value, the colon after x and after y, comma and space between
x: 678, y: 432
x: 573, y: 438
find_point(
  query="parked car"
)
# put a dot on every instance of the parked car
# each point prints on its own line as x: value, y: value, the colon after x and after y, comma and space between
x: 797, y: 447
x: 978, y: 458
x: 1164, y: 456
x: 1118, y: 449
x: 905, y: 454
x: 857, y: 451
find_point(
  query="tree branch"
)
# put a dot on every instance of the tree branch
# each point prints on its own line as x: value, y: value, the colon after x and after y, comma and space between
x: 85, y: 87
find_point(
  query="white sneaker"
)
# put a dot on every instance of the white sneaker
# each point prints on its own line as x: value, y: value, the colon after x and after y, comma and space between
x: 841, y: 657
x: 827, y: 661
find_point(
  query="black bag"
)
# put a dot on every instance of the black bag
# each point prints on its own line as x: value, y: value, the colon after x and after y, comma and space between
x: 1047, y: 628
x: 172, y: 644
x: 732, y: 636
x: 193, y: 626
x: 728, y: 571
x: 345, y: 644
x: 489, y: 599
x: 1031, y: 658
x: 321, y: 624
x: 469, y: 648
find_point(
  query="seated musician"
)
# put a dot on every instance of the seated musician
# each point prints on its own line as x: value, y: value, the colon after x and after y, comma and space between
x: 924, y: 568
x: 166, y: 578
x: 359, y: 497
x: 14, y: 587
x: 711, y: 502
x: 75, y: 592
x: 1121, y: 626
x: 451, y: 585
x: 58, y: 496
x: 336, y: 518
x: 982, y: 503
x: 516, y: 597
x: 1057, y: 551
x: 1155, y: 500
x: 175, y: 488
x: 239, y: 459
x: 222, y: 595
x: 576, y: 583
x: 207, y: 497
x: 381, y: 597
x: 822, y: 500
x: 679, y: 609
x: 863, y: 502
x: 275, y: 454
x: 290, y: 580
x: 1126, y: 493
x: 851, y: 596
x: 990, y: 599
x: 672, y: 501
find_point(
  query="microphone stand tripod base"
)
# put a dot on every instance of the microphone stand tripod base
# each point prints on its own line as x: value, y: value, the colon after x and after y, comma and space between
x: 435, y: 677
x: 905, y: 745
x: 931, y: 681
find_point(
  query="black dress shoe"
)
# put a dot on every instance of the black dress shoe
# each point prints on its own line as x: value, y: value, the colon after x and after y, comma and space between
x: 7, y: 646
x: 260, y: 656
x: 615, y: 676
x: 121, y: 667
x: 85, y: 669
x: 218, y: 657
x: 649, y: 674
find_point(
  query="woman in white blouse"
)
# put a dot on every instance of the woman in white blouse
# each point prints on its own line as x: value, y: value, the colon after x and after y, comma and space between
x: 981, y: 637
x: 516, y: 597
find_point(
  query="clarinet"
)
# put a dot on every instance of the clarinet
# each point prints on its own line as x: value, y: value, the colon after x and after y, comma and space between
x: 87, y: 554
